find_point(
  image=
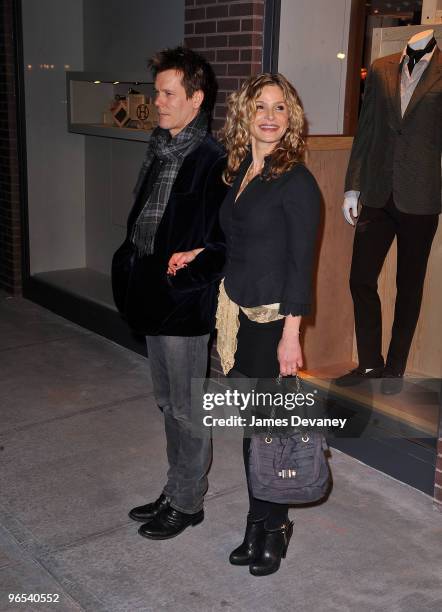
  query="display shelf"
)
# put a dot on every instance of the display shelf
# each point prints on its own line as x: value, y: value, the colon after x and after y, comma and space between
x: 89, y: 96
x: 109, y: 131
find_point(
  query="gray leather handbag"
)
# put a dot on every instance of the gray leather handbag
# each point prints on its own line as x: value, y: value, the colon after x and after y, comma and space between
x: 289, y: 468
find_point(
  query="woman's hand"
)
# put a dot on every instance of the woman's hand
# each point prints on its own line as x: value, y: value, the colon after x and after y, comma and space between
x: 180, y: 260
x: 289, y: 347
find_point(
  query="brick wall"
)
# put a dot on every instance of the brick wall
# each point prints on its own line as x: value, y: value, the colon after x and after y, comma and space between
x: 10, y: 223
x: 229, y: 33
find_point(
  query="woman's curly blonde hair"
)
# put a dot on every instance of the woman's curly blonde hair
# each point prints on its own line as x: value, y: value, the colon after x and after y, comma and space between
x: 241, y: 111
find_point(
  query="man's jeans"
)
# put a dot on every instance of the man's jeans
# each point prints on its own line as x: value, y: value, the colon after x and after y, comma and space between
x: 174, y: 361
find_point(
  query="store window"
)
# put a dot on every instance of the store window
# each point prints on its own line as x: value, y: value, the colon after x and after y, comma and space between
x: 88, y: 95
x: 325, y: 49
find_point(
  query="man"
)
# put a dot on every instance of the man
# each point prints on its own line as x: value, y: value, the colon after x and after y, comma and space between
x: 177, y: 197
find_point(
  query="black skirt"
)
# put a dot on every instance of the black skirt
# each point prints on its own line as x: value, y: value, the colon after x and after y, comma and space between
x: 256, y: 354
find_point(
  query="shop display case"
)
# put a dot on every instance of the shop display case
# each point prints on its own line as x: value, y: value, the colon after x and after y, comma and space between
x: 86, y: 149
x: 99, y: 104
x: 79, y: 169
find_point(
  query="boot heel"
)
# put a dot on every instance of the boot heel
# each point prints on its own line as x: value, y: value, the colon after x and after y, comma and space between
x: 288, y: 536
x: 274, y: 548
x: 197, y: 520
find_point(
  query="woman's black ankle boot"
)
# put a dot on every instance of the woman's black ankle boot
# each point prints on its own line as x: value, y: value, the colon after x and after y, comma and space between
x: 273, y: 549
x: 248, y: 551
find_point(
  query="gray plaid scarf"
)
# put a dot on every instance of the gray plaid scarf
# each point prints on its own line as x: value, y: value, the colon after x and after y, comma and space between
x: 171, y: 152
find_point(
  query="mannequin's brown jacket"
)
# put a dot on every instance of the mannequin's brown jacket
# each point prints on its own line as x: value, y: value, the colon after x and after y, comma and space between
x: 399, y: 155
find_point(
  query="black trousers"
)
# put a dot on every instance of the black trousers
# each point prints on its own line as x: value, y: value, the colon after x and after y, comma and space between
x: 256, y: 357
x: 375, y: 231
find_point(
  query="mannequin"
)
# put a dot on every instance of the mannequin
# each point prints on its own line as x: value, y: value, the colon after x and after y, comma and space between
x: 350, y: 207
x: 394, y: 172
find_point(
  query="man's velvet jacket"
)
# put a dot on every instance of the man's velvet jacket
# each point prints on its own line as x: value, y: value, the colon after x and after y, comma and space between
x: 182, y: 305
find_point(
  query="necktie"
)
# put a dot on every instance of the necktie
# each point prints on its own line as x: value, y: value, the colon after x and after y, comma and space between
x: 415, y: 55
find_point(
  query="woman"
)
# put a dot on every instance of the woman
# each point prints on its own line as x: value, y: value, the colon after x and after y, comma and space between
x: 270, y: 219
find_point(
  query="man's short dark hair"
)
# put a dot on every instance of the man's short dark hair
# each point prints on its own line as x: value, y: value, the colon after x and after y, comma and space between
x: 197, y: 72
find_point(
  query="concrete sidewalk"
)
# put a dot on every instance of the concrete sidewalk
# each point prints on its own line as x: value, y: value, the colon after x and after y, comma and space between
x: 81, y: 442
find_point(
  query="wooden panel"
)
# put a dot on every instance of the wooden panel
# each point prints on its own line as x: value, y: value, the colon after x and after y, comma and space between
x: 329, y: 330
x: 426, y: 350
x: 329, y: 143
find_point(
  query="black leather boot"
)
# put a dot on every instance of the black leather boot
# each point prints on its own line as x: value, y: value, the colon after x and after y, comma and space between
x: 169, y: 523
x: 249, y: 549
x: 149, y: 511
x: 273, y: 549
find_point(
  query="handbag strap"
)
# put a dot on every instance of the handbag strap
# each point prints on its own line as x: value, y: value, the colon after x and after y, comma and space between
x: 278, y: 381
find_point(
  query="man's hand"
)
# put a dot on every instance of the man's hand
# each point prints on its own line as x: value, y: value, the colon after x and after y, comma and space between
x: 180, y: 260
